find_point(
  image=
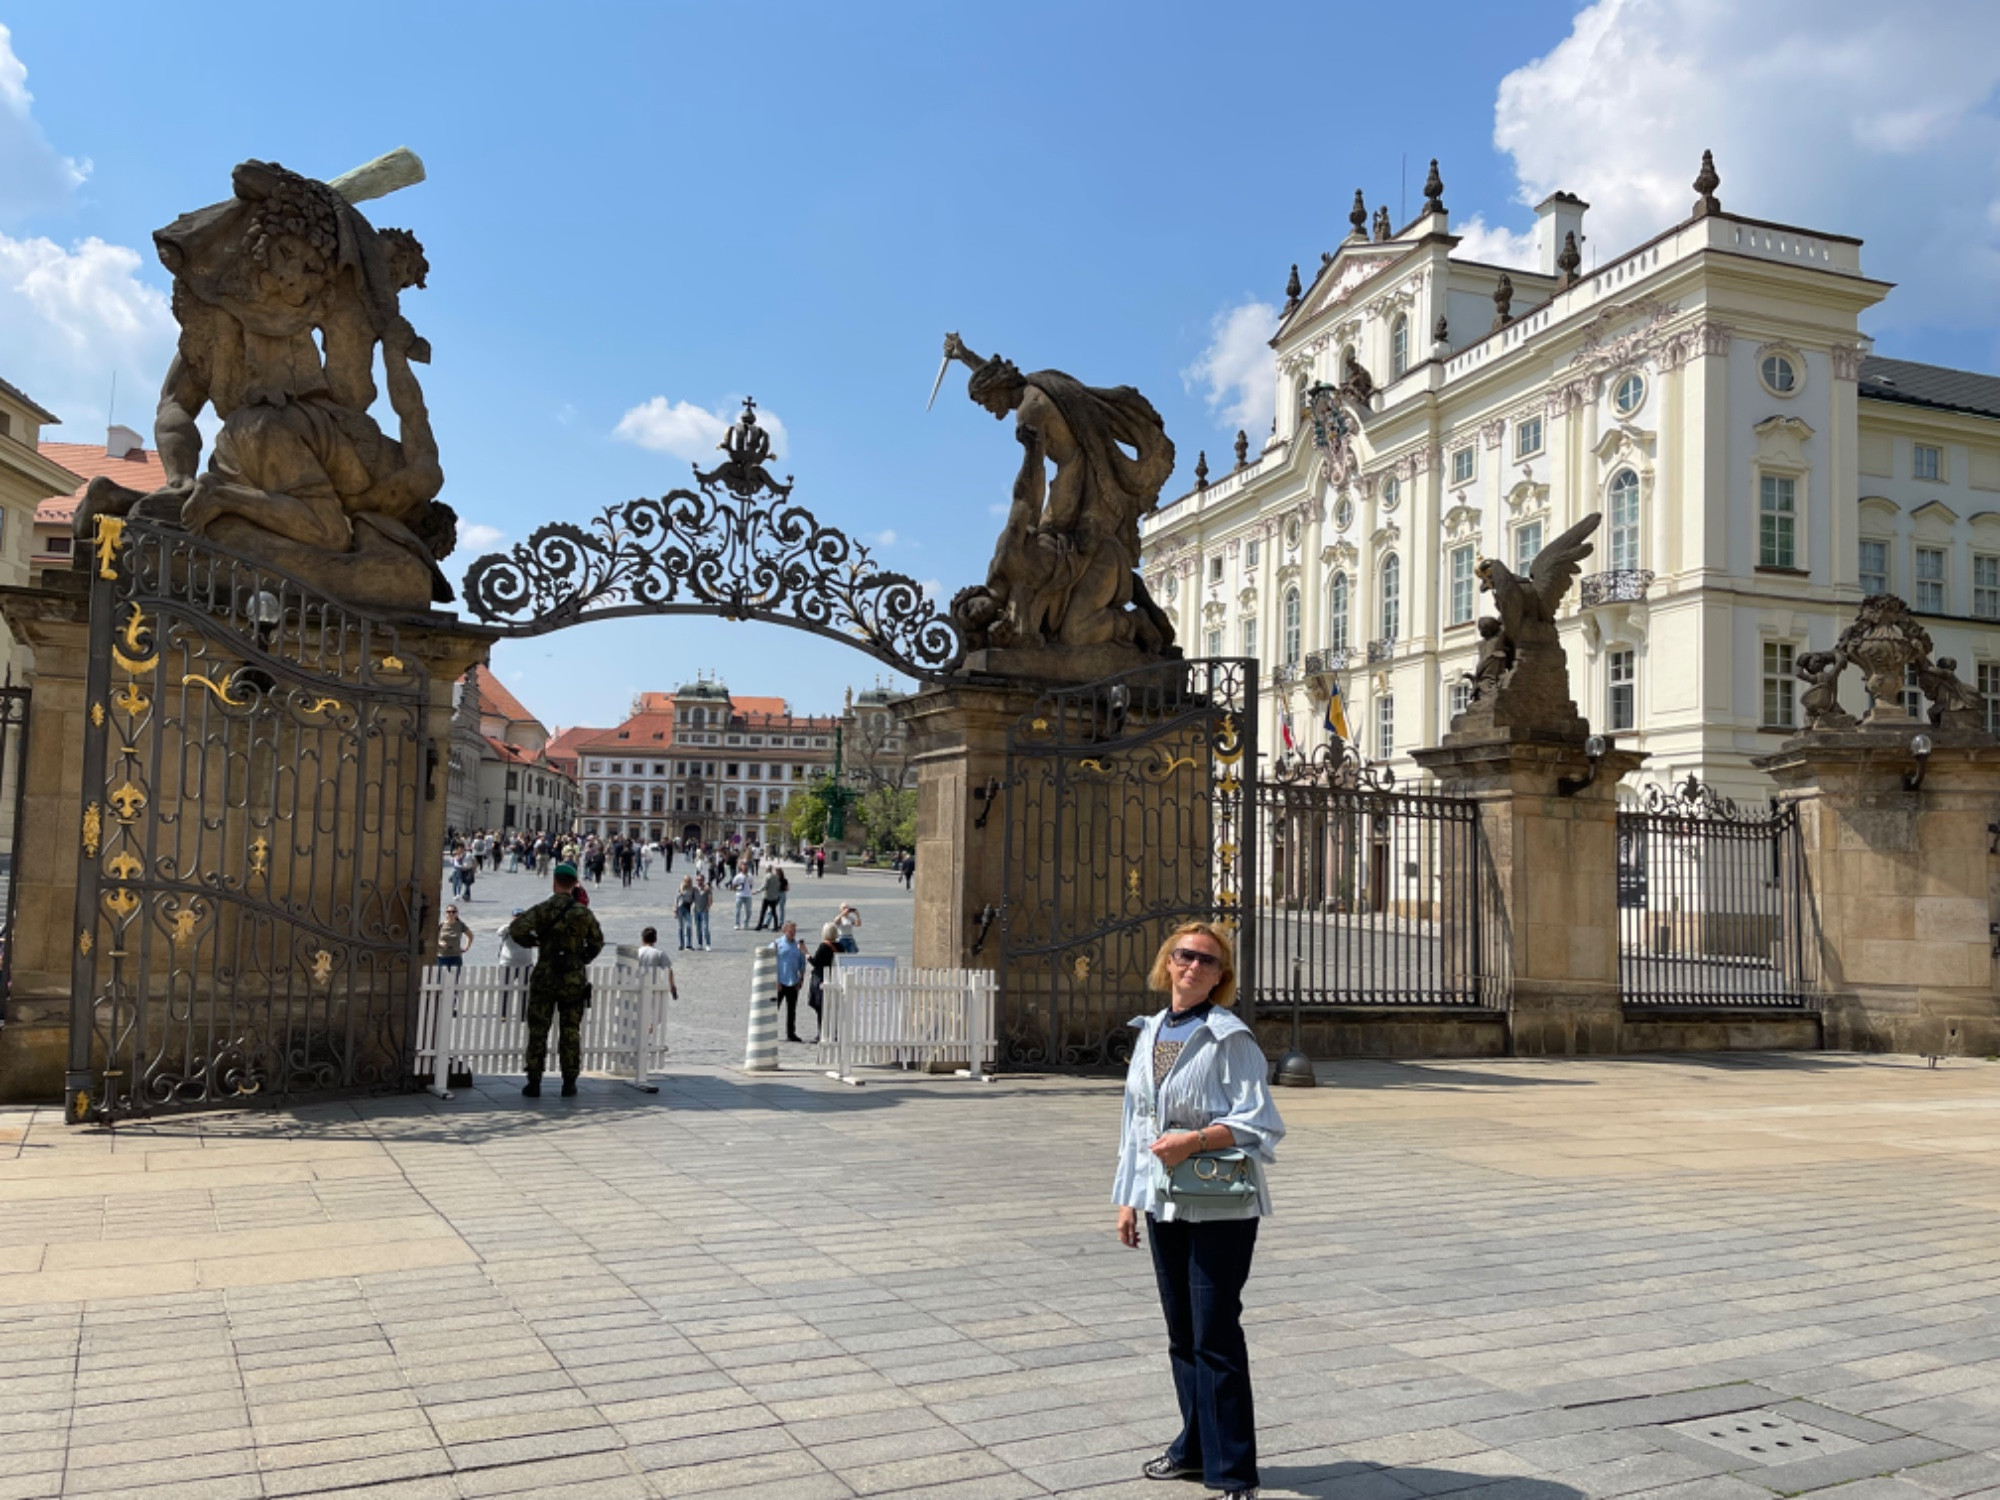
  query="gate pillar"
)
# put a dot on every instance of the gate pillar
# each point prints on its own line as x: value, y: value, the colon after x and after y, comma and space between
x: 1904, y: 882
x: 960, y: 737
x: 35, y: 1040
x: 1549, y: 841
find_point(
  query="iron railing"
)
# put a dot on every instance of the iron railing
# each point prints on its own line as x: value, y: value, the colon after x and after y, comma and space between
x: 1332, y: 659
x: 1618, y: 586
x: 1714, y: 907
x: 1368, y: 894
x: 1381, y: 650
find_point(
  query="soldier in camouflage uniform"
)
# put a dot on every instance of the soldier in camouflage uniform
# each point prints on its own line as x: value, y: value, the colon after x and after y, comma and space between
x: 566, y: 938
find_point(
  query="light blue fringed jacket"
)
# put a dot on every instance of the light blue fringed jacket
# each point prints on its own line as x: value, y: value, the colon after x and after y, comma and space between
x: 1218, y: 1079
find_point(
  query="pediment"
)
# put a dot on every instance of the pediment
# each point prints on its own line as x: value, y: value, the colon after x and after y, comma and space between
x: 1781, y: 439
x: 1934, y: 518
x: 1880, y: 506
x: 1626, y: 441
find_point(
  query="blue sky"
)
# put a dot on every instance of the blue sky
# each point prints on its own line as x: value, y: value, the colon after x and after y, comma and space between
x: 682, y: 203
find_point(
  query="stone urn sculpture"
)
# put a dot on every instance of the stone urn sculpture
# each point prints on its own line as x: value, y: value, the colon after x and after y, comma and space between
x: 1884, y: 642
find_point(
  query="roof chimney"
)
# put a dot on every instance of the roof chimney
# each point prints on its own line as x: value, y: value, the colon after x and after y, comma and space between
x: 122, y: 442
x: 1557, y: 215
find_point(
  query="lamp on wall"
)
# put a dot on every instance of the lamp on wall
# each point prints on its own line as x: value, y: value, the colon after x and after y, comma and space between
x: 1594, y: 748
x: 1920, y: 747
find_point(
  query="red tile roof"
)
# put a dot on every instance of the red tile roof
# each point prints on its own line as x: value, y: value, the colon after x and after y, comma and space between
x: 89, y: 460
x: 562, y: 749
x: 642, y: 732
x: 495, y: 699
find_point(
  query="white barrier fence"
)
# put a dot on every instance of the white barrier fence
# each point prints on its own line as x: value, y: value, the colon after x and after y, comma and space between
x: 888, y: 1017
x: 474, y: 1019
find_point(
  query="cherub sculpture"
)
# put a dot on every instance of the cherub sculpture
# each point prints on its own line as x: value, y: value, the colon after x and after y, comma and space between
x: 1954, y: 705
x: 1821, y: 670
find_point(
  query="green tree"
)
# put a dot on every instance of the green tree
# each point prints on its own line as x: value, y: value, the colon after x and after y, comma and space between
x: 809, y: 810
x: 888, y: 817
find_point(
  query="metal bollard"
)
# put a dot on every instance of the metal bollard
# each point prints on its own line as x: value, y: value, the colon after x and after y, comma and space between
x: 760, y: 1049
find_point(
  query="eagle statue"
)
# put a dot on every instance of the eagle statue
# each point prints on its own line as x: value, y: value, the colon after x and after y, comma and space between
x: 1527, y: 606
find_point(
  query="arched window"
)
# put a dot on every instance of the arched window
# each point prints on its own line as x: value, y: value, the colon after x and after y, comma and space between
x: 1292, y: 627
x: 1624, y: 518
x: 1336, y: 613
x: 1399, y: 346
x: 1392, y: 597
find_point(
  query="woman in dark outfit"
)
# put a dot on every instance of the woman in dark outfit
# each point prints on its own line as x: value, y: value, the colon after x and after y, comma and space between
x: 821, y: 960
x: 1196, y: 1085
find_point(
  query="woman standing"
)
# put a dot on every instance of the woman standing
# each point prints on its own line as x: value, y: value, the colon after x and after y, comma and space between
x: 821, y: 961
x: 684, y: 911
x: 1196, y: 1087
x: 844, y: 926
x: 704, y: 898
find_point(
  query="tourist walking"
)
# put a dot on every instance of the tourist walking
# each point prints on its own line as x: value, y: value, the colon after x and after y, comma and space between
x: 909, y: 870
x: 653, y: 960
x: 1199, y: 1129
x: 774, y: 885
x: 468, y: 871
x: 565, y: 937
x: 454, y: 937
x: 742, y: 885
x: 791, y: 973
x: 844, y: 926
x: 704, y: 898
x: 684, y: 911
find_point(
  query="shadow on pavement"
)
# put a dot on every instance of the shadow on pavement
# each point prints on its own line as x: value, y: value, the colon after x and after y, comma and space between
x: 1546, y: 1072
x: 1358, y: 1479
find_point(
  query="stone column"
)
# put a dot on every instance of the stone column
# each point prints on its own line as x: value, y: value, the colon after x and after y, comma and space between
x: 1903, y: 883
x: 959, y: 736
x: 1550, y: 861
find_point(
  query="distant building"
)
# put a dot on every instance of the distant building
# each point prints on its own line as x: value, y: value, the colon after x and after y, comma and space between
x: 500, y: 772
x: 123, y: 457
x: 700, y: 762
x: 31, y: 474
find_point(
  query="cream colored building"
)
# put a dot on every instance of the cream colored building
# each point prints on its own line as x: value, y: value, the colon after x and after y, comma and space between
x: 1708, y: 391
x: 27, y: 477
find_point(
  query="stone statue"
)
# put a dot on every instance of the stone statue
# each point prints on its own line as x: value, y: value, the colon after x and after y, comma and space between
x: 1885, y: 641
x: 1522, y: 680
x: 1064, y: 571
x: 285, y: 294
x: 1954, y: 705
x: 1821, y: 700
x: 1355, y: 382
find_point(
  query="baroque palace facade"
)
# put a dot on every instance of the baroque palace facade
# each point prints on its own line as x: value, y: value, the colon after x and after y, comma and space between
x: 1758, y: 470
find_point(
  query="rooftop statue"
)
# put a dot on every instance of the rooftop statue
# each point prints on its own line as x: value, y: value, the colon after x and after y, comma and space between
x: 284, y: 293
x: 1522, y: 681
x: 1062, y: 595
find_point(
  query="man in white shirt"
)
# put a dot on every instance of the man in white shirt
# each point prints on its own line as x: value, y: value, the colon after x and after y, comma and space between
x: 743, y: 885
x: 653, y: 960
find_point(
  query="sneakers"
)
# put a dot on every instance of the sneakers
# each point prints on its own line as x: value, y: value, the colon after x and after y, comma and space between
x: 1166, y: 1467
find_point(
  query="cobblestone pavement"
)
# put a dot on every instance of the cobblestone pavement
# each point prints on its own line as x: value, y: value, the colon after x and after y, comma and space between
x: 708, y: 1024
x: 1706, y: 1279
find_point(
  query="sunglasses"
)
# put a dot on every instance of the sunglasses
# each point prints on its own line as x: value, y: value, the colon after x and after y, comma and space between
x: 1194, y: 956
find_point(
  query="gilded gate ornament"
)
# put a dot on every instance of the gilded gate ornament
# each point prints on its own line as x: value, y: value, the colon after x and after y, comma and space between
x: 139, y: 637
x: 322, y: 967
x: 108, y: 538
x: 260, y: 850
x: 127, y: 801
x: 97, y: 715
x: 221, y: 690
x: 93, y: 829
x: 184, y: 923
x: 121, y: 903
x: 124, y: 865
x: 83, y: 941
x: 131, y: 702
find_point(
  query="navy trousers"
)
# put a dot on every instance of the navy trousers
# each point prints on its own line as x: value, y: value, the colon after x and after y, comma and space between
x: 1201, y: 1270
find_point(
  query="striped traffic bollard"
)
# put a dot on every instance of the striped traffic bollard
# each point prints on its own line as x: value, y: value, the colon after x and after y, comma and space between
x: 760, y: 1050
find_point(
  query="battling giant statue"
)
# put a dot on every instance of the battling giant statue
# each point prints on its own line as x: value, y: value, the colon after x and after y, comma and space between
x: 285, y: 294
x: 1520, y: 686
x: 1063, y: 596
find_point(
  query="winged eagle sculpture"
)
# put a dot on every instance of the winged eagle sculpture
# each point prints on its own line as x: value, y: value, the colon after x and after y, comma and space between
x: 1522, y: 679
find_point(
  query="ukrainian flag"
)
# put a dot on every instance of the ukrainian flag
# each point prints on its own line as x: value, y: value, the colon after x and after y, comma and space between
x: 1336, y: 712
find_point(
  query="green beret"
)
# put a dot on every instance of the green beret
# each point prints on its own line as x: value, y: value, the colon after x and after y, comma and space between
x: 565, y: 871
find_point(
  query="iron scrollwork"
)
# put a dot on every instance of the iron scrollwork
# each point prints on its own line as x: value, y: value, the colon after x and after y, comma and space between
x: 1693, y: 798
x: 733, y: 546
x: 1336, y: 764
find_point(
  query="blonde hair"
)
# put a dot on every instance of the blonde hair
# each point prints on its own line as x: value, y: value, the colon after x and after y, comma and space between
x: 828, y: 933
x: 1224, y: 993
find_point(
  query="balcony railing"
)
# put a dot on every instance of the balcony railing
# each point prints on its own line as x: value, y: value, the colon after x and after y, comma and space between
x: 1619, y: 586
x: 1330, y: 660
x: 1381, y: 650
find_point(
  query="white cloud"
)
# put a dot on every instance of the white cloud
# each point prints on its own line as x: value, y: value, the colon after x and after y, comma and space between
x: 1494, y: 244
x: 478, y: 537
x: 70, y: 318
x: 475, y: 539
x: 933, y: 590
x: 884, y: 538
x: 1238, y: 367
x: 689, y: 431
x: 33, y: 175
x: 1841, y: 115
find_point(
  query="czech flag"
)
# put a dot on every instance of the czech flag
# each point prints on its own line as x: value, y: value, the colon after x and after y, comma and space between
x: 1336, y: 712
x: 1285, y: 729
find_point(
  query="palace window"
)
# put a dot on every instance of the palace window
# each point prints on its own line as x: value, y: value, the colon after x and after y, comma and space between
x: 1913, y: 692
x: 1780, y: 378
x: 1392, y: 491
x: 1875, y: 567
x: 513, y: 781
x: 1926, y: 462
x: 1336, y: 613
x: 591, y: 799
x: 1249, y: 636
x: 1624, y: 518
x: 1215, y: 643
x: 1292, y: 627
x: 1622, y: 710
x: 1629, y: 394
x: 1986, y: 587
x: 614, y: 799
x: 1459, y: 699
x: 1777, y: 521
x: 1399, y: 347
x: 1778, y: 680
x: 1392, y: 597
x: 1464, y: 588
x: 659, y: 802
x: 1215, y: 569
x: 1385, y: 726
x: 1930, y: 580
x: 1462, y: 464
x: 1253, y: 552
x: 1527, y: 437
x: 1527, y: 542
x: 1989, y: 693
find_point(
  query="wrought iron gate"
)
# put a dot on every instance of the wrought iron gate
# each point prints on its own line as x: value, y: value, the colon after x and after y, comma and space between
x: 1370, y: 894
x: 1128, y: 809
x: 1713, y: 903
x: 15, y: 703
x: 254, y: 771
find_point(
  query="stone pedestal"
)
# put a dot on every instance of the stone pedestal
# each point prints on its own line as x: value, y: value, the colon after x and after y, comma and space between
x: 1552, y: 871
x: 1905, y: 887
x: 960, y: 738
x: 34, y: 1044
